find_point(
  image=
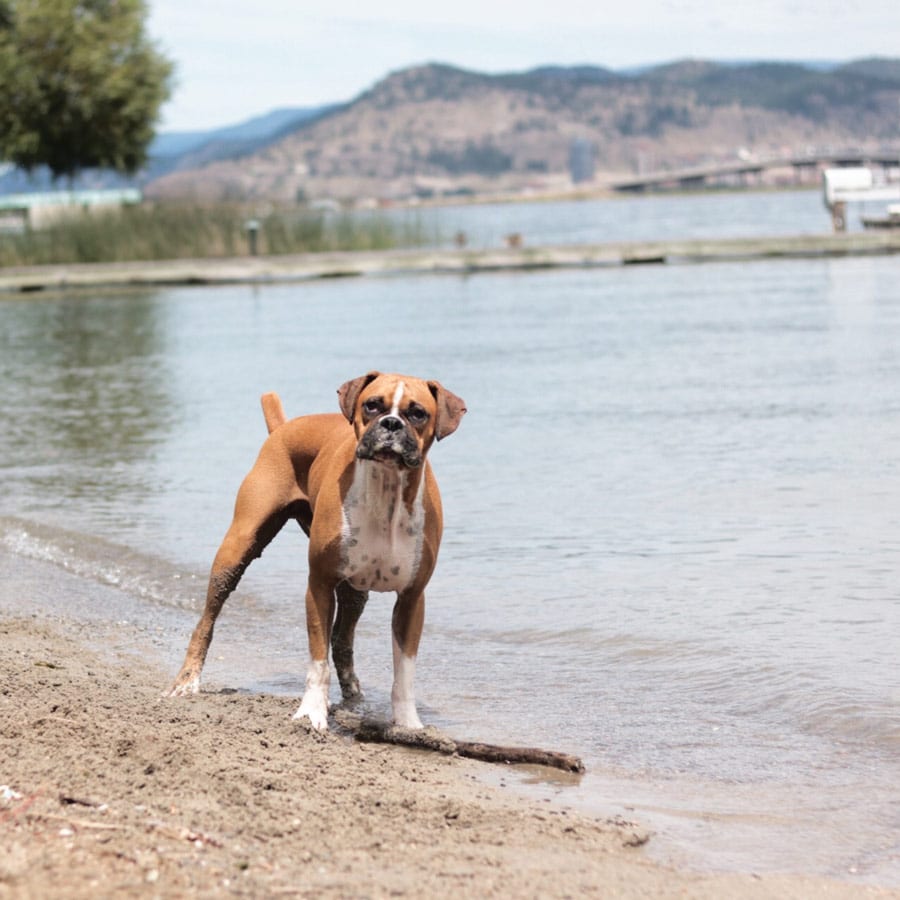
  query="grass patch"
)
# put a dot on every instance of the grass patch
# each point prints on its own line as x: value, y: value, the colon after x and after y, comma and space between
x: 190, y: 231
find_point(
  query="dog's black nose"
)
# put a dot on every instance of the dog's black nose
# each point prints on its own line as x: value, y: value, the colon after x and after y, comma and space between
x: 391, y: 423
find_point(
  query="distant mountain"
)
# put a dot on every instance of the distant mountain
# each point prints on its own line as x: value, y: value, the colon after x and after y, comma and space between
x: 566, y: 73
x: 187, y: 149
x: 174, y: 150
x: 438, y: 129
x: 876, y: 67
x: 840, y: 95
x: 176, y: 143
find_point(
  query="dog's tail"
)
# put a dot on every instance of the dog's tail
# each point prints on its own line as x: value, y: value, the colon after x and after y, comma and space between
x: 273, y: 410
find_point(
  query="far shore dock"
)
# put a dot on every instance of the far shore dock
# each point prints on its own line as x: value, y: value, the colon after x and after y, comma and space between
x: 406, y: 262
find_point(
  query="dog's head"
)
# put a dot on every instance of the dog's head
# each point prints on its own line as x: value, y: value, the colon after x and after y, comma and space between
x: 397, y: 417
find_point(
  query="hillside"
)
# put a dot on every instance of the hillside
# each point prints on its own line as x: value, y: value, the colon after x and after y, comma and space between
x: 439, y: 129
x: 173, y: 150
x: 192, y: 149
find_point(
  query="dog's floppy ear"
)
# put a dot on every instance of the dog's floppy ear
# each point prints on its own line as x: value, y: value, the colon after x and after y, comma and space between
x: 348, y: 393
x: 450, y: 410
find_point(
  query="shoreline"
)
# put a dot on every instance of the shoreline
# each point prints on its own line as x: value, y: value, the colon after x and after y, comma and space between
x: 407, y: 262
x: 109, y: 789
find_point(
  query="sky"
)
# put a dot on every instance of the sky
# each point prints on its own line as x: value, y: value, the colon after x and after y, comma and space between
x: 235, y: 60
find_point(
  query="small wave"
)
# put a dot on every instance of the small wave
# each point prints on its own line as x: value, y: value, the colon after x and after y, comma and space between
x: 614, y: 646
x: 711, y: 678
x: 851, y: 721
x: 145, y: 576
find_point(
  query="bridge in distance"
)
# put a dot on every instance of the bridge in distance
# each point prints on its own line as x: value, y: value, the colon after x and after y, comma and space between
x: 805, y: 167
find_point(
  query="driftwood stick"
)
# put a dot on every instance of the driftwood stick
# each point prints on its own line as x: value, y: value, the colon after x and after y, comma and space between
x: 533, y: 755
x: 375, y: 731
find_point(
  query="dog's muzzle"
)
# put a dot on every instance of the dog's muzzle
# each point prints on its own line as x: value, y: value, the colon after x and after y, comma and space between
x: 389, y: 439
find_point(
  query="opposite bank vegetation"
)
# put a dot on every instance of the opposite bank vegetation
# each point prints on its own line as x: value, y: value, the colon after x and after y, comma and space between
x: 192, y: 231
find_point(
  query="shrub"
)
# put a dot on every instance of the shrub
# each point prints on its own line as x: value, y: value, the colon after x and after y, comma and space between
x: 185, y: 231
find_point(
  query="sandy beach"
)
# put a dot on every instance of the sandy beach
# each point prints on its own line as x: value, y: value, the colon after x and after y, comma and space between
x: 107, y: 789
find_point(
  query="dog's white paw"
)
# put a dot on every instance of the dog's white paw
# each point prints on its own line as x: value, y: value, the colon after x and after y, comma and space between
x: 314, y: 705
x: 405, y: 715
x: 314, y: 708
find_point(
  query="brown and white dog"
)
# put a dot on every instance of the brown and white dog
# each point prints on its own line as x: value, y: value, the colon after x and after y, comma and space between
x: 362, y: 489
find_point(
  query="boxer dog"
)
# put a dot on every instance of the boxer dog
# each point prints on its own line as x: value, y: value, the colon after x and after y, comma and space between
x: 360, y: 486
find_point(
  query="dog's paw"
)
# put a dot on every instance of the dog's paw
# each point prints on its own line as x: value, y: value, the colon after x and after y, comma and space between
x: 184, y: 687
x: 351, y: 692
x: 405, y: 715
x: 314, y: 707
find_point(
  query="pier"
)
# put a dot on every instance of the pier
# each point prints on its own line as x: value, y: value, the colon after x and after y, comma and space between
x: 805, y: 167
x: 311, y: 266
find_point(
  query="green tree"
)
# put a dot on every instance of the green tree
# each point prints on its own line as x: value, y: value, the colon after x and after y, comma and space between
x: 81, y: 84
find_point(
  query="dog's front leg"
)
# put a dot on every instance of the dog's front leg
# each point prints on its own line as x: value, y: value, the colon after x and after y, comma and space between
x: 319, y: 618
x: 350, y: 604
x: 406, y: 627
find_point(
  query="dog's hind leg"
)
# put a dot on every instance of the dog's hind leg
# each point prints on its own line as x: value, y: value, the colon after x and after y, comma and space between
x: 238, y: 550
x: 263, y: 505
x: 350, y: 604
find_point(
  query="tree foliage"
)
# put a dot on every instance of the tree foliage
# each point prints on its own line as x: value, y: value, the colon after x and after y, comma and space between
x: 81, y: 85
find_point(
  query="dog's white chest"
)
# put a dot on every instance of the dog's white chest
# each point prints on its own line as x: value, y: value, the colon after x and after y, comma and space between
x: 381, y: 539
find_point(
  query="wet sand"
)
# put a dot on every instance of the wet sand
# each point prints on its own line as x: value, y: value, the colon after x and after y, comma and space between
x: 110, y: 790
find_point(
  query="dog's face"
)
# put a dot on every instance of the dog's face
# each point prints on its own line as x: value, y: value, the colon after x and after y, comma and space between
x: 397, y: 417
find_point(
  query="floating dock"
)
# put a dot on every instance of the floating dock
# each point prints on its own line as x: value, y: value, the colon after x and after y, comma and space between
x: 311, y: 266
x: 890, y: 219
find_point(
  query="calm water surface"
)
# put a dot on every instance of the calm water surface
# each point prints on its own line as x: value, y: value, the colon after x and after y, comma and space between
x: 672, y: 536
x: 629, y: 218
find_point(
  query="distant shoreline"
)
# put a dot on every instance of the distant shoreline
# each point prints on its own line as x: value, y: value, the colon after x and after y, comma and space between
x: 598, y: 190
x: 407, y: 262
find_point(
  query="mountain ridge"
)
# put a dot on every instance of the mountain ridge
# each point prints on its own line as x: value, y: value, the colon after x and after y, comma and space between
x: 440, y: 128
x: 436, y: 128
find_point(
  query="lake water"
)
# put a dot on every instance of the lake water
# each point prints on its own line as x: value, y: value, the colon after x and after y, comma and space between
x: 672, y: 516
x: 629, y: 218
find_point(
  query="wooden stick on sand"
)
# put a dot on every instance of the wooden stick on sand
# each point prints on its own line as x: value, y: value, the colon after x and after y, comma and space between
x: 375, y: 731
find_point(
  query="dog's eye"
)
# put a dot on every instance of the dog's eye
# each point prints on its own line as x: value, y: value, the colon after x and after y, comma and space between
x: 373, y: 406
x: 416, y: 414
